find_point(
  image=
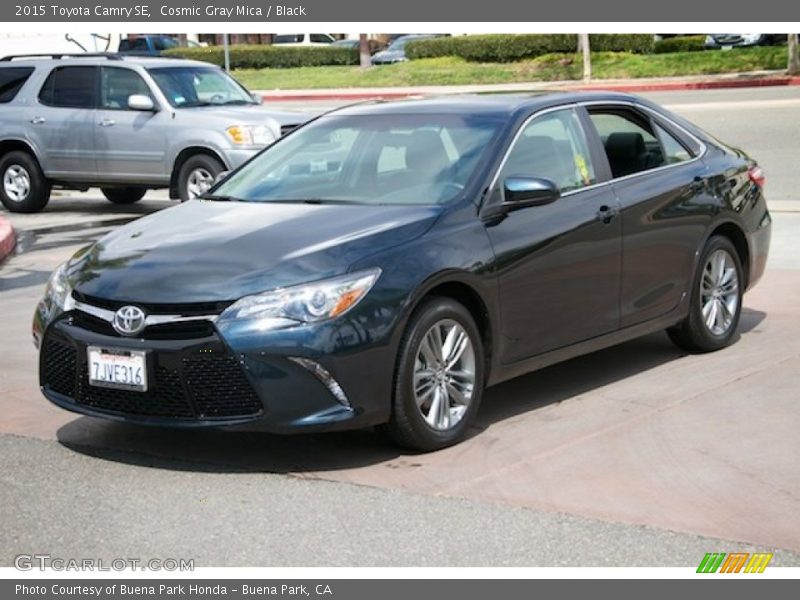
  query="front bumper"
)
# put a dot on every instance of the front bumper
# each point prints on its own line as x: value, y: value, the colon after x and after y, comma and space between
x: 198, y: 379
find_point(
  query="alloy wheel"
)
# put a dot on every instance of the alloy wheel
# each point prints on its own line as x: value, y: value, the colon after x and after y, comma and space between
x: 199, y: 182
x: 719, y: 292
x: 444, y: 374
x: 16, y: 183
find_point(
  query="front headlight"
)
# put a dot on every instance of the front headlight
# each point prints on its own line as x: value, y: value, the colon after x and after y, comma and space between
x: 250, y: 135
x: 59, y: 290
x: 306, y: 303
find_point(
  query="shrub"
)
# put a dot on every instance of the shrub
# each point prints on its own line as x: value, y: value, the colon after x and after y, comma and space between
x: 509, y: 48
x: 689, y: 43
x: 276, y: 57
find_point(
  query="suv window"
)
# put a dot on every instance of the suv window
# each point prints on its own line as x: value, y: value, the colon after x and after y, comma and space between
x: 322, y: 38
x: 553, y: 147
x: 70, y: 87
x: 11, y: 81
x: 630, y: 143
x: 289, y: 38
x: 117, y: 85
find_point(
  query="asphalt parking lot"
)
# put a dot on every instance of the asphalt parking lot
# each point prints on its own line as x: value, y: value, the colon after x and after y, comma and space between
x: 636, y: 455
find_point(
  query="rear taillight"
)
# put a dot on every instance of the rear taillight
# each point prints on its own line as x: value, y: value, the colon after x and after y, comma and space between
x: 756, y: 175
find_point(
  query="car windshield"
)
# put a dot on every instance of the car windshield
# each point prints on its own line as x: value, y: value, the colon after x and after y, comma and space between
x: 379, y: 159
x: 187, y: 87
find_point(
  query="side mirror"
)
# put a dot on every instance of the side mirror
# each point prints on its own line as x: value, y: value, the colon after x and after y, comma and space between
x: 529, y: 191
x: 257, y: 98
x: 141, y: 102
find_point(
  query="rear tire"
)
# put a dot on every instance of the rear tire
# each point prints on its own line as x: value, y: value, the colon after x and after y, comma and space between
x: 197, y: 175
x: 715, y: 303
x: 24, y: 188
x: 124, y: 195
x: 439, y: 377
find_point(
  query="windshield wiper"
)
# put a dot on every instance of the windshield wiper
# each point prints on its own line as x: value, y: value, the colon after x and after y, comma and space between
x: 216, y: 198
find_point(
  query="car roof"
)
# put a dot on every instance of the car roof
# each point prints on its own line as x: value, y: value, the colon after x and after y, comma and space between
x: 505, y: 104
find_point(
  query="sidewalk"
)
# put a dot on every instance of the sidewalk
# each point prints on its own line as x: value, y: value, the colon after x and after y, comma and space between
x: 695, y: 82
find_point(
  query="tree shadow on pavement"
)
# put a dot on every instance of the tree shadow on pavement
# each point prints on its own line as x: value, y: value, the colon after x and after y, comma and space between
x: 231, y: 450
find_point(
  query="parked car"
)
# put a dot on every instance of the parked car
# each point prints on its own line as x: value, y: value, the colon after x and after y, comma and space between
x: 374, y: 45
x: 384, y: 263
x: 395, y: 52
x: 729, y: 40
x: 124, y: 124
x: 147, y: 45
x: 303, y: 39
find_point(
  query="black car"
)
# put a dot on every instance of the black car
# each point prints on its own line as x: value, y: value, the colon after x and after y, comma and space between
x: 386, y: 262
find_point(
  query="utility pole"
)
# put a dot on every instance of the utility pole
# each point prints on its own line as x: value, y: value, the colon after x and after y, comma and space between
x: 363, y: 51
x: 583, y: 42
x: 794, y: 59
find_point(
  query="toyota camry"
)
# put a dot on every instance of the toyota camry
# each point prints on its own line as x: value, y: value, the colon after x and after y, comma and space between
x: 386, y: 262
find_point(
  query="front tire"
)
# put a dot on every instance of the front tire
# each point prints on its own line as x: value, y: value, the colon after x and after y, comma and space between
x: 716, y: 300
x: 24, y: 187
x: 197, y: 175
x: 124, y: 195
x: 439, y: 377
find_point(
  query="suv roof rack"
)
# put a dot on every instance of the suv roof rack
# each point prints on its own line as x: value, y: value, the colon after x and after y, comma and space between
x: 108, y: 55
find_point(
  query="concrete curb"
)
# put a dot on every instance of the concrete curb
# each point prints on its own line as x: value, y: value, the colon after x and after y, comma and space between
x: 8, y: 238
x: 356, y: 95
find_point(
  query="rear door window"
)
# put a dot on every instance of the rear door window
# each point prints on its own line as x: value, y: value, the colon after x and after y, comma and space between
x: 629, y: 139
x: 11, y: 81
x: 70, y: 87
x: 674, y: 151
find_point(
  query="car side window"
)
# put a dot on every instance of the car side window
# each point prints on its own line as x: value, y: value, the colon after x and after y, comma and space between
x: 552, y: 146
x: 70, y: 87
x: 320, y: 38
x: 117, y: 85
x: 629, y: 140
x: 11, y: 81
x: 674, y: 151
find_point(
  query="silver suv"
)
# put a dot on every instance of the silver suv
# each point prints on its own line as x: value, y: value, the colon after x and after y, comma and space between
x: 124, y: 124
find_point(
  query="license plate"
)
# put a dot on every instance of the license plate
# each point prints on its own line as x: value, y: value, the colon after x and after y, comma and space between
x: 119, y: 369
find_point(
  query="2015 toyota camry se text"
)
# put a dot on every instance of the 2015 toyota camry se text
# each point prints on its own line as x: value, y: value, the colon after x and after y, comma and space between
x: 386, y: 262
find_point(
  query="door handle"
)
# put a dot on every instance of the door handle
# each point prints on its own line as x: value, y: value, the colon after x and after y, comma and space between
x: 606, y: 213
x: 38, y: 120
x: 107, y: 123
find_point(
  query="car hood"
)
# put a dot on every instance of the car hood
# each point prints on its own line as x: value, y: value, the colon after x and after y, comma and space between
x: 204, y: 251
x: 254, y: 114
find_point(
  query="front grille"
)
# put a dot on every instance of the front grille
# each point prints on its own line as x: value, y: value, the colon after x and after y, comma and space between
x: 59, y: 366
x: 206, y: 383
x: 219, y: 386
x: 178, y: 330
x: 186, y: 309
x: 165, y: 398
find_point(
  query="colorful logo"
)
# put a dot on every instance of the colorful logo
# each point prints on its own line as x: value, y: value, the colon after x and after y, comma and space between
x: 735, y: 562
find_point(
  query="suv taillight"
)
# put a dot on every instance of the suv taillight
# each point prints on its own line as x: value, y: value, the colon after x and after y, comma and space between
x: 757, y: 176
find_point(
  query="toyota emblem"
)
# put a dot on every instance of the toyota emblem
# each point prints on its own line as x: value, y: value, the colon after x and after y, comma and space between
x: 129, y: 320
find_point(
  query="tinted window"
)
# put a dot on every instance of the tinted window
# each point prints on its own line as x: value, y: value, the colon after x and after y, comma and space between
x: 553, y: 147
x: 674, y: 152
x: 116, y: 85
x: 12, y: 80
x: 71, y: 87
x: 164, y: 43
x: 288, y: 38
x: 629, y: 140
x: 320, y: 38
x: 136, y: 45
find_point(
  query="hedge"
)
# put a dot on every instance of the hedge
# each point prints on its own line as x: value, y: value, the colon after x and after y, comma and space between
x: 689, y: 43
x: 276, y: 57
x: 509, y: 48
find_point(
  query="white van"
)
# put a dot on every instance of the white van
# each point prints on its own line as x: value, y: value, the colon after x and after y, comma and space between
x: 303, y: 39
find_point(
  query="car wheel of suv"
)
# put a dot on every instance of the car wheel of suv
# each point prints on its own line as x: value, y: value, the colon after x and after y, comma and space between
x: 439, y: 377
x: 716, y: 300
x: 197, y: 175
x: 24, y: 187
x: 124, y: 195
